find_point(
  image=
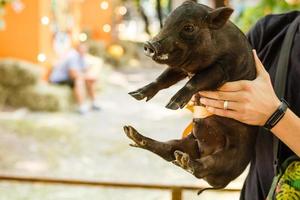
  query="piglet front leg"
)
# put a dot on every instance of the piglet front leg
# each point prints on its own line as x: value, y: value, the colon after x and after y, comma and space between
x: 169, y: 77
x: 208, y: 79
x: 147, y: 92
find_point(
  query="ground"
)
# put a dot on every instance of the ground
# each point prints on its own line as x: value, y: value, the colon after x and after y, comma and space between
x: 94, y: 146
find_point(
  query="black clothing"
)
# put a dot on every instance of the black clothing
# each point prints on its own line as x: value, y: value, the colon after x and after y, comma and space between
x: 266, y: 37
x: 69, y: 83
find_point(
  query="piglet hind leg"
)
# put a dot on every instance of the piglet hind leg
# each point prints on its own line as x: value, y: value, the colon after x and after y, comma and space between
x: 163, y: 149
x: 195, y: 166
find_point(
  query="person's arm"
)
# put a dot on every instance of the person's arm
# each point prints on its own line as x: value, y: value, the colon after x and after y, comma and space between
x: 253, y: 102
x: 288, y: 131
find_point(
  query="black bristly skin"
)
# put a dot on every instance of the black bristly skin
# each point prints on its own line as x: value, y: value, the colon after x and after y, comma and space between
x: 202, y: 44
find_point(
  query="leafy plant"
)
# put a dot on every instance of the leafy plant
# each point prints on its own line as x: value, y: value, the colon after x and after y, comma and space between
x: 250, y: 15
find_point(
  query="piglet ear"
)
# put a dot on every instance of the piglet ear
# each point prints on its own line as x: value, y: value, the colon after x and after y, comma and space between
x: 218, y: 17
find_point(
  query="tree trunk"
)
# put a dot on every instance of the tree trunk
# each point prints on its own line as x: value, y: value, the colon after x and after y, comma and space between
x: 170, y: 6
x: 144, y: 16
x: 159, y: 13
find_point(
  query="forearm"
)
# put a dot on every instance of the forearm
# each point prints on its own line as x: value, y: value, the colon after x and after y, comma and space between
x: 288, y: 131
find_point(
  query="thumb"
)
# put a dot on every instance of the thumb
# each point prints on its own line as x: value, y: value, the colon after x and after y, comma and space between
x: 261, y: 71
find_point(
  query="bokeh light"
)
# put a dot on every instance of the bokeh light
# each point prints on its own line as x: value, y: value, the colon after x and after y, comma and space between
x: 104, y: 5
x: 41, y: 57
x: 122, y: 10
x: 106, y: 28
x: 45, y: 20
x: 82, y: 37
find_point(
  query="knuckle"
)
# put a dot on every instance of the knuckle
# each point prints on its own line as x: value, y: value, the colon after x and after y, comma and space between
x: 205, y: 102
x: 245, y: 97
x: 247, y: 85
x: 219, y: 95
x: 267, y: 77
x: 220, y: 104
x: 212, y: 103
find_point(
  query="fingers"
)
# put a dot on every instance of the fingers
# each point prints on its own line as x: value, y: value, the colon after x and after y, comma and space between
x: 220, y: 95
x: 223, y: 113
x: 259, y: 66
x: 233, y: 86
x: 219, y: 104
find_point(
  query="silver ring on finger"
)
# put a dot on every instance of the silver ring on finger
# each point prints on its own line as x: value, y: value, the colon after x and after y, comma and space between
x: 225, y: 105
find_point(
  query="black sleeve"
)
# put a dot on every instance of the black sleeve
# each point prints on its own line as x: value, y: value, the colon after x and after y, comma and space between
x: 255, y: 35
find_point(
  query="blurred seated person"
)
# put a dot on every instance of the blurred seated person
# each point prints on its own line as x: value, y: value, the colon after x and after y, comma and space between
x: 72, y: 70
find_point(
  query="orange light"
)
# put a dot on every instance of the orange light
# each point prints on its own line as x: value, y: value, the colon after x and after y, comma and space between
x: 116, y: 51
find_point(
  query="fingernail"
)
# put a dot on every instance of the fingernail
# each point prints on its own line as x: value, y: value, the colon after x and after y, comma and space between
x: 202, y: 100
x: 254, y: 52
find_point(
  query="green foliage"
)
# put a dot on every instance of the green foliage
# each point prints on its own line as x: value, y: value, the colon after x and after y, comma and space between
x: 250, y: 15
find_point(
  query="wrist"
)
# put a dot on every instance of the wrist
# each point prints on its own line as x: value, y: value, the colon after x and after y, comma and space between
x: 281, y: 123
x: 270, y: 109
x: 277, y: 115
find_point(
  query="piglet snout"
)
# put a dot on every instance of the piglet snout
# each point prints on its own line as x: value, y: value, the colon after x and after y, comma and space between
x: 149, y: 49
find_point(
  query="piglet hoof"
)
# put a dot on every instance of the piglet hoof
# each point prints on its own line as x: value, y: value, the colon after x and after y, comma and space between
x: 147, y: 92
x: 183, y: 160
x: 134, y: 136
x: 138, y: 95
x: 178, y: 101
x: 173, y: 105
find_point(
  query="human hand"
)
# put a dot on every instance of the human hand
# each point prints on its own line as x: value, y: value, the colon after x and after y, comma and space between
x: 250, y: 102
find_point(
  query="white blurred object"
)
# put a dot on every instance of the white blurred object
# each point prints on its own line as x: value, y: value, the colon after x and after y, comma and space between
x: 95, y: 65
x: 45, y: 20
x: 18, y: 6
x: 82, y: 37
x: 106, y: 28
x: 104, y: 5
x: 122, y: 10
x: 83, y: 109
x: 41, y: 57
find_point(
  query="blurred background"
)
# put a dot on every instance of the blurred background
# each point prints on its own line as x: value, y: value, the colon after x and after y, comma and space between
x: 41, y: 132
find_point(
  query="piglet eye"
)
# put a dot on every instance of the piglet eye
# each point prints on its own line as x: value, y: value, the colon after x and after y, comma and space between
x: 188, y: 28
